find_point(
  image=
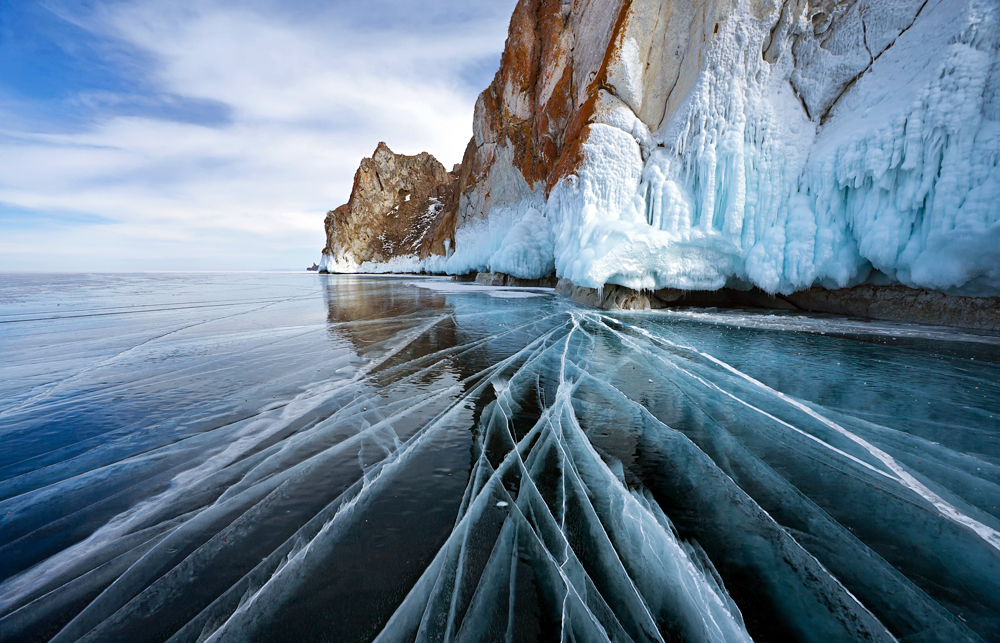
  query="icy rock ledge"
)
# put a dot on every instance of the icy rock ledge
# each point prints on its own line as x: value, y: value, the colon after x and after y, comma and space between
x: 502, y: 279
x: 887, y: 303
x: 898, y: 303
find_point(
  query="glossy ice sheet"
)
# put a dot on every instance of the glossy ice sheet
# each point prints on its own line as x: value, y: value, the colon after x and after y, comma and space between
x: 277, y: 457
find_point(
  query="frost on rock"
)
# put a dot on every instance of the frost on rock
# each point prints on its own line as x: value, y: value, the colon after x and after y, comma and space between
x: 780, y: 145
x: 400, y: 216
x: 516, y: 241
x: 762, y: 175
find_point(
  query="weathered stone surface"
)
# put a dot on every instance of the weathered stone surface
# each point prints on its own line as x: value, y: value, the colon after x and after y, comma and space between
x: 399, y: 206
x: 899, y: 303
x: 501, y: 279
x: 888, y: 303
x: 565, y: 67
x: 537, y: 105
x: 611, y: 297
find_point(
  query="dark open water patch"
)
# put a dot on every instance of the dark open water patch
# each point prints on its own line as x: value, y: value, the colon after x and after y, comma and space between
x: 236, y: 457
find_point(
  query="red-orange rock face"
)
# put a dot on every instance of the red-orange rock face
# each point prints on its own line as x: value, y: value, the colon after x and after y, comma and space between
x: 399, y: 206
x: 528, y: 129
x: 528, y: 121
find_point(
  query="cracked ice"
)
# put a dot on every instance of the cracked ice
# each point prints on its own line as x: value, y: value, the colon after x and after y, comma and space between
x: 437, y: 463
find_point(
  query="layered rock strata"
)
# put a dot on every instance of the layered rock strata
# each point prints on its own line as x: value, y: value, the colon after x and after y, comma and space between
x: 400, y: 207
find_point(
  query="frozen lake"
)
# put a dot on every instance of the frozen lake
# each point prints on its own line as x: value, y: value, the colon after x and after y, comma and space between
x: 293, y: 457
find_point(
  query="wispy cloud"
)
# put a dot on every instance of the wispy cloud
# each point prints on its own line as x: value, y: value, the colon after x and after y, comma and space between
x: 241, y: 127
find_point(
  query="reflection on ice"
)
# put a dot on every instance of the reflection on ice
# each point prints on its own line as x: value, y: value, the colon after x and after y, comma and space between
x: 403, y: 463
x: 500, y: 292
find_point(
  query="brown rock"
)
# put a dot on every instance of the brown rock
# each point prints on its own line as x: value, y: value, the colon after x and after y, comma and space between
x: 611, y: 297
x: 399, y: 206
x: 562, y: 71
x: 539, y: 102
x: 502, y: 279
x: 899, y: 303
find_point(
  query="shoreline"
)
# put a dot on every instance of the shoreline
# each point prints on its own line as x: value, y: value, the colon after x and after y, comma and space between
x: 895, y: 303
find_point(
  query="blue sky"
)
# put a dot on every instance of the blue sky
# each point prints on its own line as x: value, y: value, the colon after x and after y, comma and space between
x: 202, y: 135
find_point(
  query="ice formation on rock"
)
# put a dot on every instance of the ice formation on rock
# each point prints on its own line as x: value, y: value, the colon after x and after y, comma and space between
x: 776, y: 144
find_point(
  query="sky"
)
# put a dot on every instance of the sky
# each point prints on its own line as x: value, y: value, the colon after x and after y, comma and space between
x: 149, y: 135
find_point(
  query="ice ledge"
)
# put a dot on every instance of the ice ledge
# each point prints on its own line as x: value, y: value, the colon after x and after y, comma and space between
x: 899, y: 303
x: 503, y: 279
x: 886, y: 303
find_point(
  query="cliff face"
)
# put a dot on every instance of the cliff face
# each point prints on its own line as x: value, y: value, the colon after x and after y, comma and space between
x: 703, y: 144
x: 780, y: 144
x: 400, y: 206
x: 522, y: 120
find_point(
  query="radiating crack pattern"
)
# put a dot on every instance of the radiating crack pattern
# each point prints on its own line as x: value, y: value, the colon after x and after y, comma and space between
x: 481, y: 465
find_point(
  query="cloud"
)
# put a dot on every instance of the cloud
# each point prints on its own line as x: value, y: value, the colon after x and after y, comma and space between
x: 245, y: 125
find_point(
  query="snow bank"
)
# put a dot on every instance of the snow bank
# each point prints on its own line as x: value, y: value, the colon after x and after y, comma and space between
x: 402, y: 264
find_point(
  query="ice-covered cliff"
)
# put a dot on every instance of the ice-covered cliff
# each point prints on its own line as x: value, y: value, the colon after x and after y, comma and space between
x: 402, y: 209
x: 702, y: 143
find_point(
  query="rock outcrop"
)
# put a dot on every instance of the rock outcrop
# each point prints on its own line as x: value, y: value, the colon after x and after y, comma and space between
x: 886, y: 303
x: 782, y: 145
x: 534, y: 110
x: 400, y: 207
x: 898, y: 303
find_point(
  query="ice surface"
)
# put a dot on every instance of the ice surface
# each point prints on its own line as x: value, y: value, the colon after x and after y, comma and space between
x: 301, y: 457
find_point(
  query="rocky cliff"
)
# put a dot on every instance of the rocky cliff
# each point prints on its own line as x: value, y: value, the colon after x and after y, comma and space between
x: 782, y: 145
x: 400, y: 207
x: 703, y: 144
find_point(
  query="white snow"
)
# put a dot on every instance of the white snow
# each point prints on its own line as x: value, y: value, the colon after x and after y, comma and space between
x: 406, y: 263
